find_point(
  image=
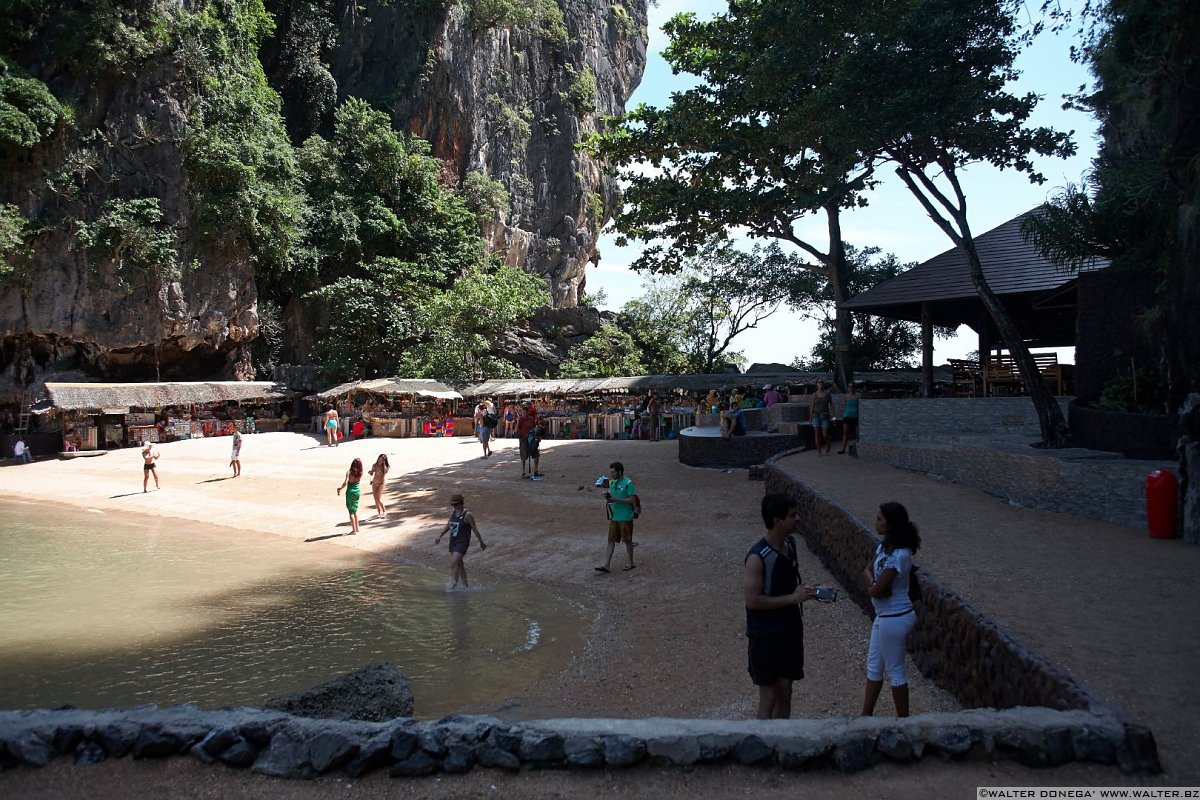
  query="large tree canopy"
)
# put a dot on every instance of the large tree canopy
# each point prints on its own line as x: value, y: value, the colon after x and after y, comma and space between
x: 803, y: 100
x: 751, y: 147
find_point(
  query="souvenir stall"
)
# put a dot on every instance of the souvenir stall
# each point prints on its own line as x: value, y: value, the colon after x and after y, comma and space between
x: 102, y: 415
x: 397, y: 407
x: 612, y: 408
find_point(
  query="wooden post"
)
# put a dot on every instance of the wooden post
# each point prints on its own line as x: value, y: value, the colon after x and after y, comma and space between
x: 926, y: 351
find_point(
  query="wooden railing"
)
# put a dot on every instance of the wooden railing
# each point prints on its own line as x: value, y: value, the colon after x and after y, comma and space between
x: 1002, y: 372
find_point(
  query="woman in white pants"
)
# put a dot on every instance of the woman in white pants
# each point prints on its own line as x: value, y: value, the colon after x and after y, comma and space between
x: 887, y: 576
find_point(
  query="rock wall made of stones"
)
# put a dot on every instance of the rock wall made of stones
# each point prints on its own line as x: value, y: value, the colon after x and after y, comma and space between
x: 279, y: 745
x: 734, y: 452
x: 986, y: 443
x: 964, y: 651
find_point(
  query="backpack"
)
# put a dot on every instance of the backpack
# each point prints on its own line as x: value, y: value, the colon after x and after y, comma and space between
x: 915, y: 592
x: 490, y: 420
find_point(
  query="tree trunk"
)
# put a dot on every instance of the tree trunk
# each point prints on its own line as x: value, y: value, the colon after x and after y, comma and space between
x: 1050, y: 417
x: 839, y: 277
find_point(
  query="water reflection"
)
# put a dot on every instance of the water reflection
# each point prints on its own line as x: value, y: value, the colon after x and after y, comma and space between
x: 101, y: 612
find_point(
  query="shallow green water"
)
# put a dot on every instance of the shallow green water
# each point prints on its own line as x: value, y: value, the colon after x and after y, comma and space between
x: 98, y: 610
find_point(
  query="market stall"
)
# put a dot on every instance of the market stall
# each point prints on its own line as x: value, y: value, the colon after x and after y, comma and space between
x: 397, y: 407
x: 101, y: 415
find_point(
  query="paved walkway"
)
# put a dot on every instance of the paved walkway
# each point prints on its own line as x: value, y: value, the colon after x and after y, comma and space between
x: 1116, y: 609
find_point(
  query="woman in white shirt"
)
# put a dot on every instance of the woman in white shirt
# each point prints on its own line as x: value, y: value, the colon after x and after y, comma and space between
x: 887, y: 576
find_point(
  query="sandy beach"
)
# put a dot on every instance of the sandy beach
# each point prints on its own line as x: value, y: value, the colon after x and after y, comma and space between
x: 667, y: 637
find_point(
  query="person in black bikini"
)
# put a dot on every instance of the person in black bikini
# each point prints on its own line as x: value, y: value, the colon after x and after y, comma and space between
x: 148, y: 468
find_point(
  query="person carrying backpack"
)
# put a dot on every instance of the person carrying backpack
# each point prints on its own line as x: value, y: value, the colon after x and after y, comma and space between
x: 622, y: 503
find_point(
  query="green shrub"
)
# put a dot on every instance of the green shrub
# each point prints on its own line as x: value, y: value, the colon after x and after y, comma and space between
x: 582, y: 93
x: 29, y: 112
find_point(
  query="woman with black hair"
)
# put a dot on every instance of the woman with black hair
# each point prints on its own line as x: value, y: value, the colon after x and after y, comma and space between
x: 887, y: 576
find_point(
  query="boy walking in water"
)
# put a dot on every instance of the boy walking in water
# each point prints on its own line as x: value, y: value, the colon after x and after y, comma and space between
x: 459, y: 526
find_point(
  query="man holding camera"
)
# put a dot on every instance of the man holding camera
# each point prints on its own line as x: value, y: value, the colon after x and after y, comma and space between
x: 774, y: 622
x: 620, y: 504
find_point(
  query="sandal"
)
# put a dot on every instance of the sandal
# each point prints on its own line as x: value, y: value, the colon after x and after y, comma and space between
x: 601, y: 569
x: 628, y: 567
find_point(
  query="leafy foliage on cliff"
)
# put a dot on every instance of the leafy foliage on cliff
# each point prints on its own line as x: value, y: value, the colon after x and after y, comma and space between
x: 29, y: 113
x: 134, y: 237
x: 357, y: 224
x: 385, y: 240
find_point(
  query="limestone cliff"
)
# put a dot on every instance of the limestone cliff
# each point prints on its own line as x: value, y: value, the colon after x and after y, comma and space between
x: 510, y: 101
x: 510, y: 98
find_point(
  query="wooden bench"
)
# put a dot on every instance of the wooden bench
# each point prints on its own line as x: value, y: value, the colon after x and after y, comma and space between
x: 1001, y: 373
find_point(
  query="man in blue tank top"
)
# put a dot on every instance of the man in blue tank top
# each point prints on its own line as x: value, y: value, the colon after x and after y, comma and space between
x: 774, y: 621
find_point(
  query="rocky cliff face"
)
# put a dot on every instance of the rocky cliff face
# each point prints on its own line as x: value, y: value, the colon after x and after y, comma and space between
x: 510, y: 98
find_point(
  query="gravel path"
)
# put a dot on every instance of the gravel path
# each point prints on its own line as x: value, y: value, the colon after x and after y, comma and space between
x: 668, y: 636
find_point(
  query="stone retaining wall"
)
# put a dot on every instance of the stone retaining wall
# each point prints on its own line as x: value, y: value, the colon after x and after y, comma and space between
x: 271, y: 743
x: 737, y: 451
x: 985, y: 443
x: 965, y: 652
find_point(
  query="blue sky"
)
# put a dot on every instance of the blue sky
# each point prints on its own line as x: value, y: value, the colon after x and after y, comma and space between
x: 893, y: 221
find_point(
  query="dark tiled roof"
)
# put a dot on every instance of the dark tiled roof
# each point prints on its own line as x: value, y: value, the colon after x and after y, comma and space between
x: 1010, y: 264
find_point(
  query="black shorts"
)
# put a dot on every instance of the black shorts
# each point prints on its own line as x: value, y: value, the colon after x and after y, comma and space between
x: 460, y: 547
x: 774, y: 657
x: 147, y: 467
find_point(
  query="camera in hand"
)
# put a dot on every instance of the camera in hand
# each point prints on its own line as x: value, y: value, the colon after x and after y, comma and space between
x: 826, y: 594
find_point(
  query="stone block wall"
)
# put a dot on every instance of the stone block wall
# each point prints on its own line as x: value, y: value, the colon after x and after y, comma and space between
x: 787, y: 412
x: 949, y: 419
x: 987, y: 443
x: 737, y: 451
x: 966, y: 653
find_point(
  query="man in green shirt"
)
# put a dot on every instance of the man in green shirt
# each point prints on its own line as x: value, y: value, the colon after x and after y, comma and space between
x: 620, y: 496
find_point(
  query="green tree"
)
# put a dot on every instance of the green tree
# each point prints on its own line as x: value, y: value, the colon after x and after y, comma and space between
x: 610, y: 352
x: 384, y: 245
x: 879, y: 342
x: 926, y: 81
x: 686, y: 322
x: 1139, y: 205
x: 655, y: 321
x: 458, y: 329
x: 240, y: 164
x: 29, y: 113
x: 133, y: 236
x: 754, y: 145
x: 13, y: 247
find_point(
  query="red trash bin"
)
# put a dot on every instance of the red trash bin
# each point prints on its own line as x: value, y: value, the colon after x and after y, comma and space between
x: 1161, y: 501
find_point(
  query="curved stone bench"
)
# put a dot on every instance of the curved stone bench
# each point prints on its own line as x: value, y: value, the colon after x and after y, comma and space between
x: 703, y: 446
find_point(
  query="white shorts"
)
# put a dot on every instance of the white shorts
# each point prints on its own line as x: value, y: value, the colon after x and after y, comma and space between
x: 889, y: 635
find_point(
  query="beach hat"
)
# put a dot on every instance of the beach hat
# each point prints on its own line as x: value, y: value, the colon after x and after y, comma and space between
x: 455, y: 499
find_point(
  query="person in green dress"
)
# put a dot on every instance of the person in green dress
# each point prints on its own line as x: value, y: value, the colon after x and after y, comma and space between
x: 350, y: 484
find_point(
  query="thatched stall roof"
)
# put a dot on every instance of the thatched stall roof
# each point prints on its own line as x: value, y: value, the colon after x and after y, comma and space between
x: 635, y: 384
x: 393, y: 387
x: 691, y: 383
x: 97, y: 396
